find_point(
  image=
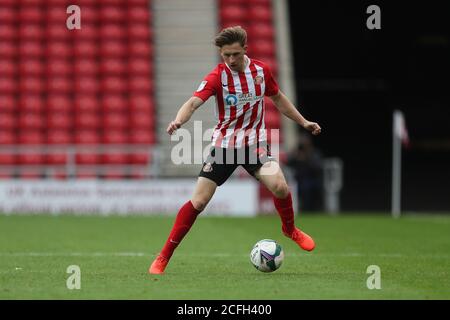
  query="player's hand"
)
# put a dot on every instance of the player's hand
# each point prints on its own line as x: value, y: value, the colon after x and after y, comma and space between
x: 313, y: 127
x: 173, y: 126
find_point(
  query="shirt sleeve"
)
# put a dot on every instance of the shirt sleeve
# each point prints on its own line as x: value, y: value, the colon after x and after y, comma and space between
x: 271, y: 84
x: 208, y: 87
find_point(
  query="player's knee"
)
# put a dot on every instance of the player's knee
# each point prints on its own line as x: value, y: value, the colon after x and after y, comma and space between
x: 280, y: 189
x: 199, y: 203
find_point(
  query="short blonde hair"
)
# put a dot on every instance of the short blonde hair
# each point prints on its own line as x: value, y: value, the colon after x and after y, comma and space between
x: 231, y: 35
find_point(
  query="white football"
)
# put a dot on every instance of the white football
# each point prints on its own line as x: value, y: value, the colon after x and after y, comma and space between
x: 267, y: 255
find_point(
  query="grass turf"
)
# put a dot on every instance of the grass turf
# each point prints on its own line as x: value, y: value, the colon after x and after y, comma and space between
x: 114, y: 253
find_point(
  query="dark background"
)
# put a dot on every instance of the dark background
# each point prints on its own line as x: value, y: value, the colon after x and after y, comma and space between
x: 350, y: 79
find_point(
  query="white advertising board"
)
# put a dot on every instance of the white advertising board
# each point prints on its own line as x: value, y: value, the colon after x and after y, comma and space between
x: 235, y: 198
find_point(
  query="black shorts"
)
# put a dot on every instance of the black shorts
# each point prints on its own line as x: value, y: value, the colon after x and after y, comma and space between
x: 221, y: 162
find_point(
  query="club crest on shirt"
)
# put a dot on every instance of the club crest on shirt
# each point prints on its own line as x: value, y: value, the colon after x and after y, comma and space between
x: 258, y: 80
x: 207, y: 167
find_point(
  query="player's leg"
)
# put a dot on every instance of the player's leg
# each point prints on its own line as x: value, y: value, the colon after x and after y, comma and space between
x: 186, y: 217
x: 271, y: 175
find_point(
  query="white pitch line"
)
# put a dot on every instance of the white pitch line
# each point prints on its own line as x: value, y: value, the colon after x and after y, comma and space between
x: 218, y: 255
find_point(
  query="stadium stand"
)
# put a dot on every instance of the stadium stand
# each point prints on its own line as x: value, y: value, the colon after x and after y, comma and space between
x: 76, y: 90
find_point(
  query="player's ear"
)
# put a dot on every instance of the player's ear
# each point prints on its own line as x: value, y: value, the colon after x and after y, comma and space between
x: 245, y: 48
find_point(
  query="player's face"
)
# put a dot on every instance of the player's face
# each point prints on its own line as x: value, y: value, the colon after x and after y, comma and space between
x: 233, y: 55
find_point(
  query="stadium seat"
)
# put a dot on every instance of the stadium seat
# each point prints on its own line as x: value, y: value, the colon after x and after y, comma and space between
x: 140, y: 67
x: 31, y: 85
x: 29, y: 120
x: 114, y: 84
x: 113, y: 48
x: 139, y: 13
x: 111, y: 14
x: 115, y: 120
x: 234, y: 13
x: 7, y: 100
x: 141, y: 84
x: 8, y: 32
x: 114, y: 103
x: 258, y: 31
x: 59, y: 67
x: 30, y: 48
x: 8, y: 49
x: 31, y: 66
x: 89, y: 13
x: 31, y: 31
x: 7, y: 120
x: 8, y: 84
x: 88, y: 32
x: 7, y: 137
x: 59, y: 49
x: 59, y: 120
x: 31, y: 14
x: 87, y: 121
x: 115, y: 137
x: 141, y: 103
x: 8, y: 67
x: 59, y: 84
x: 115, y: 158
x: 141, y: 120
x: 87, y: 84
x: 85, y: 48
x: 86, y: 103
x: 260, y: 13
x: 31, y: 137
x: 139, y: 31
x: 113, y: 66
x: 31, y: 103
x: 140, y: 49
x: 139, y: 136
x: 8, y: 15
x: 86, y: 66
x: 55, y: 32
x: 59, y: 103
x: 113, y: 174
x: 31, y: 174
x: 112, y: 31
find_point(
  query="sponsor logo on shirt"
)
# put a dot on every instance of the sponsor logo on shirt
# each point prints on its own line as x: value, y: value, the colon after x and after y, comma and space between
x: 202, y: 86
x: 258, y: 80
x: 231, y: 100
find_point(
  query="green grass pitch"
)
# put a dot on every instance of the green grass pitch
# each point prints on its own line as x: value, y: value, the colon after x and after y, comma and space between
x: 114, y: 253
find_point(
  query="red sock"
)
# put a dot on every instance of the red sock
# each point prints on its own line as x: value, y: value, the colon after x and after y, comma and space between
x: 284, y: 208
x: 183, y: 222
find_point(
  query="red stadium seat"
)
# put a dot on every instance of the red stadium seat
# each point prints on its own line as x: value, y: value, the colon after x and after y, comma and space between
x: 115, y: 120
x: 113, y: 66
x: 87, y: 137
x: 89, y: 14
x: 31, y: 31
x: 83, y: 173
x: 140, y: 66
x: 141, y: 103
x: 56, y: 14
x: 141, y: 120
x: 141, y: 49
x: 112, y: 14
x: 86, y: 84
x: 29, y: 120
x: 142, y: 136
x: 54, y: 32
x: 59, y: 120
x: 31, y: 137
x: 59, y: 49
x: 113, y: 48
x: 112, y: 31
x: 115, y: 158
x: 114, y: 84
x: 115, y: 137
x: 234, y: 13
x: 31, y: 103
x: 86, y: 103
x: 59, y: 84
x: 88, y: 31
x: 85, y: 48
x: 8, y: 32
x: 141, y: 84
x: 262, y: 48
x: 31, y: 85
x: 59, y: 67
x: 140, y: 158
x: 59, y: 103
x: 259, y: 31
x: 114, y: 103
x: 113, y: 174
x: 140, y: 31
x: 31, y: 48
x: 8, y: 84
x: 7, y: 100
x: 87, y: 120
x: 31, y: 66
x: 7, y: 136
x: 8, y: 49
x: 139, y: 13
x: 31, y: 174
x: 8, y: 66
x: 8, y: 15
x: 86, y: 66
x: 58, y: 137
x: 7, y: 120
x: 260, y: 13
x: 31, y: 14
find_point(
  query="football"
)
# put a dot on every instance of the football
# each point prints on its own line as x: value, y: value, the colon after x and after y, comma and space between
x: 267, y: 255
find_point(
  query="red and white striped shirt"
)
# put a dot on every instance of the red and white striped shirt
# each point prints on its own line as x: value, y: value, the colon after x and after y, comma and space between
x: 239, y: 102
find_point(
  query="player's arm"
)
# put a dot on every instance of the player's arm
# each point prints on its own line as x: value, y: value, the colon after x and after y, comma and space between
x: 289, y: 110
x: 184, y: 114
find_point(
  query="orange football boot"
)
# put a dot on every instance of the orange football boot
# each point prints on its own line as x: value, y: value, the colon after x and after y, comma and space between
x: 302, y: 239
x: 158, y: 265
